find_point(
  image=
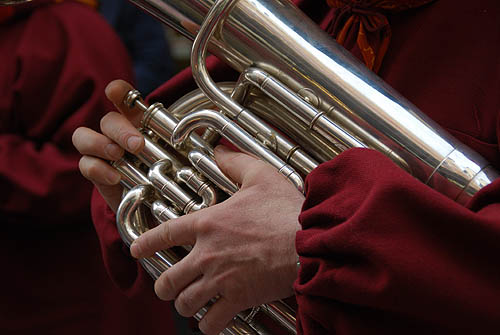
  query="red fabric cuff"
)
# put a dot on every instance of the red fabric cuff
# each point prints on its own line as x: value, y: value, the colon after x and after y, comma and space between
x: 125, y: 272
x: 379, y: 246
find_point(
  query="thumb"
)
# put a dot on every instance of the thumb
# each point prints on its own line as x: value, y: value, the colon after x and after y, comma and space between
x: 235, y: 165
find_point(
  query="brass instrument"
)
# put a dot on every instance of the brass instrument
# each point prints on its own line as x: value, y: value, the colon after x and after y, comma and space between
x: 294, y: 77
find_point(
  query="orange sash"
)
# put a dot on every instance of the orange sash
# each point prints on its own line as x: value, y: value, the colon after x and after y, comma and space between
x: 366, y: 20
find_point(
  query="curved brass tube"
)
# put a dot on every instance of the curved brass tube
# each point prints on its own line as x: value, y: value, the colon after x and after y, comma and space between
x: 236, y: 135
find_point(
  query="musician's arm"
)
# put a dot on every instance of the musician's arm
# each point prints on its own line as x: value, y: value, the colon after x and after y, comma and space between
x: 382, y: 253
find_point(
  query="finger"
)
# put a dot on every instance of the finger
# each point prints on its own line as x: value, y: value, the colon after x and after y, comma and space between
x: 98, y: 171
x: 90, y: 142
x: 120, y: 130
x: 218, y: 316
x: 194, y: 297
x: 234, y: 164
x: 174, y: 280
x: 116, y: 92
x: 174, y: 232
x: 112, y: 194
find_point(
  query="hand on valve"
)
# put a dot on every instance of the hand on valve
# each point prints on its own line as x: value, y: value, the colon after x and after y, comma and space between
x: 243, y: 248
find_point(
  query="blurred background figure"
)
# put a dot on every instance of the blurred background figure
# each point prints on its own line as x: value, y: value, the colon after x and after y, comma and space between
x: 56, y: 59
x: 145, y: 39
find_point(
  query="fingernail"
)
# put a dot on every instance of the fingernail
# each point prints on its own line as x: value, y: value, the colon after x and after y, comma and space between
x: 107, y: 89
x: 114, y: 151
x: 135, y: 249
x: 113, y: 177
x: 133, y: 143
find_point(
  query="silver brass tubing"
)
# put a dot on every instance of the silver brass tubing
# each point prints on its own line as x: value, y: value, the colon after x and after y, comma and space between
x: 152, y: 155
x: 282, y: 313
x: 236, y: 135
x: 131, y: 177
x: 130, y: 174
x: 213, y: 18
x: 298, y: 107
x: 320, y: 148
x: 198, y: 185
x: 157, y: 119
x: 200, y: 74
x: 152, y: 152
x: 280, y: 145
x: 236, y: 326
x: 266, y: 109
x: 163, y: 213
x: 163, y: 129
x: 131, y: 223
x: 276, y: 36
x: 209, y: 168
x: 277, y: 143
x: 196, y: 100
x: 169, y: 188
x: 131, y: 202
x: 482, y: 178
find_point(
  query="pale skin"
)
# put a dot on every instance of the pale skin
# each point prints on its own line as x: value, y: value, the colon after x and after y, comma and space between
x: 243, y: 248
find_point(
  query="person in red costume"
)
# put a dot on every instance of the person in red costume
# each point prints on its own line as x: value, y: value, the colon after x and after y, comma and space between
x: 380, y: 252
x: 56, y: 61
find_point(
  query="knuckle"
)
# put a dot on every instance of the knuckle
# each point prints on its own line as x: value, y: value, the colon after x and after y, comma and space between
x: 205, y: 261
x: 113, y: 126
x: 122, y: 136
x: 202, y: 226
x: 165, y: 234
x: 93, y: 171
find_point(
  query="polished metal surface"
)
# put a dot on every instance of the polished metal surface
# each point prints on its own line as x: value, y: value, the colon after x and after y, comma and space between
x: 277, y: 38
x: 236, y: 135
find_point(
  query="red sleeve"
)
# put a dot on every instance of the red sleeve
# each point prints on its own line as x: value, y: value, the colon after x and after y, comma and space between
x: 124, y: 270
x: 55, y: 84
x: 382, y: 253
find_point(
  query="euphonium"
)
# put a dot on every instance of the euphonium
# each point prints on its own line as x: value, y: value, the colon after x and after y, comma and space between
x: 294, y: 77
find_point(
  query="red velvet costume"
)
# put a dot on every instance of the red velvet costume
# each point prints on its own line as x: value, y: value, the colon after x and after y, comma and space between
x: 56, y: 62
x: 382, y: 253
